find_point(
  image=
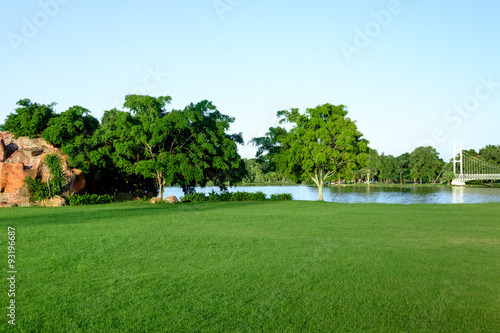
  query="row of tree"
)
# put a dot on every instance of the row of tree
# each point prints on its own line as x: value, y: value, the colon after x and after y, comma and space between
x: 142, y: 147
x: 324, y: 145
x: 147, y: 147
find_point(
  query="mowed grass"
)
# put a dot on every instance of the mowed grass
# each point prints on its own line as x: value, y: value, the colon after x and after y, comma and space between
x: 255, y: 266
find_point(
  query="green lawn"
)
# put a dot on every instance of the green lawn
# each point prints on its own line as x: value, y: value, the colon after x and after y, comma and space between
x: 257, y: 266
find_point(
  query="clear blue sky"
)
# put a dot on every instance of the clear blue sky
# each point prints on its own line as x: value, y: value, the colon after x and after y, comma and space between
x: 426, y: 73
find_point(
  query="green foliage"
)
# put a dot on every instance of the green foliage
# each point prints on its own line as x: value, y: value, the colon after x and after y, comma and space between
x: 425, y: 162
x: 194, y: 197
x: 30, y: 119
x: 55, y: 179
x: 182, y: 147
x: 269, y: 147
x: 402, y: 165
x: 389, y: 168
x: 323, y: 141
x: 38, y: 190
x: 222, y: 196
x: 258, y: 172
x: 491, y: 154
x: 225, y: 196
x: 72, y: 131
x: 281, y: 197
x: 89, y: 199
x: 247, y: 196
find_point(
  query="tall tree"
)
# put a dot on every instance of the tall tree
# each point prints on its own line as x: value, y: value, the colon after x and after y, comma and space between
x: 402, y: 165
x: 388, y: 170
x: 180, y: 147
x: 323, y: 141
x: 424, y: 162
x: 372, y: 166
x: 30, y: 119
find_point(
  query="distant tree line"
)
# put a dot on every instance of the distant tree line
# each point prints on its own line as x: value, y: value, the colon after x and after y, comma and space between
x: 325, y: 146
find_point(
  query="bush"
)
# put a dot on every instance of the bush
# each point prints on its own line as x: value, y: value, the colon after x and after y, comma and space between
x: 56, y: 176
x: 38, y: 190
x: 235, y: 196
x: 89, y: 199
x: 194, y: 197
x: 223, y: 196
x: 281, y: 197
x: 240, y: 196
x: 245, y: 196
x: 258, y: 196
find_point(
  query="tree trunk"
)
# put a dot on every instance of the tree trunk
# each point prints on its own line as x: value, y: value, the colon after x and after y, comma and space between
x: 159, y: 180
x: 318, y: 179
x: 320, y: 191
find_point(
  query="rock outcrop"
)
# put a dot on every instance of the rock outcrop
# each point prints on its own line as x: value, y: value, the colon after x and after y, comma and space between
x: 23, y: 157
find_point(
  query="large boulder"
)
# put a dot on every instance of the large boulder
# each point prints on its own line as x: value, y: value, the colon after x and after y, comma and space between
x: 23, y: 157
x: 155, y: 200
x: 171, y: 199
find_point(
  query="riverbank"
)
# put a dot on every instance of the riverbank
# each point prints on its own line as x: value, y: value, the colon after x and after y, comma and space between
x: 375, y: 193
x: 257, y: 266
x: 485, y: 185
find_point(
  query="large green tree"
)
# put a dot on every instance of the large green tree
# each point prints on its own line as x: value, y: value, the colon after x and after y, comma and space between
x: 30, y: 119
x: 322, y: 142
x: 425, y: 163
x: 186, y: 147
x: 388, y: 170
x: 115, y: 150
x: 402, y: 166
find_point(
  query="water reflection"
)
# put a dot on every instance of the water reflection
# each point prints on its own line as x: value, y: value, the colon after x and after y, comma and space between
x: 458, y: 195
x: 372, y: 194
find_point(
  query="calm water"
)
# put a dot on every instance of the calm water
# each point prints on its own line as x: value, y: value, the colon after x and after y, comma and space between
x: 376, y: 194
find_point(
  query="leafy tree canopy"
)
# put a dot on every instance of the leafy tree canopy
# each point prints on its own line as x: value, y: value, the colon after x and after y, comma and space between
x: 425, y: 162
x: 491, y: 154
x: 180, y: 147
x: 322, y: 142
x: 30, y: 119
x: 72, y: 131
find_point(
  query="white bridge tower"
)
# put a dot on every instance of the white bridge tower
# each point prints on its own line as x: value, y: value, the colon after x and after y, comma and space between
x: 458, y: 157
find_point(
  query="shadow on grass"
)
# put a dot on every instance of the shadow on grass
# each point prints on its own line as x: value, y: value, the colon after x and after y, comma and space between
x: 28, y: 216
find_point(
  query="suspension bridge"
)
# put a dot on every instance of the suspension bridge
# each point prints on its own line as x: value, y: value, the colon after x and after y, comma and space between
x: 467, y: 167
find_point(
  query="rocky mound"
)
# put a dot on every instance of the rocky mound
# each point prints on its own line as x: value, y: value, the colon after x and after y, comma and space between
x: 23, y: 157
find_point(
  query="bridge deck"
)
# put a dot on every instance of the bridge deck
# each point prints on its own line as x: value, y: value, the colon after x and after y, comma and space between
x: 465, y: 176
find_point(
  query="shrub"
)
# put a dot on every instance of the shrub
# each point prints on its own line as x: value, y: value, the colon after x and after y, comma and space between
x: 89, y: 199
x: 194, y: 197
x: 223, y: 196
x: 38, y: 190
x: 258, y: 196
x: 281, y: 197
x: 56, y: 176
x: 240, y: 196
x: 235, y: 196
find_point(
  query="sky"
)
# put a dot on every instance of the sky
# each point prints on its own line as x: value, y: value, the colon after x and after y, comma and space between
x: 412, y: 73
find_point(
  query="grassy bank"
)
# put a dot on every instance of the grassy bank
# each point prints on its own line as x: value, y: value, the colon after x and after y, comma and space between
x: 268, y: 266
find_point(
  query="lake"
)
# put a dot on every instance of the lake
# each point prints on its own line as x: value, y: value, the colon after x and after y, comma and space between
x: 373, y: 194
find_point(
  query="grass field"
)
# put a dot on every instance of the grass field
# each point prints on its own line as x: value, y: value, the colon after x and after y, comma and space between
x: 255, y: 266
